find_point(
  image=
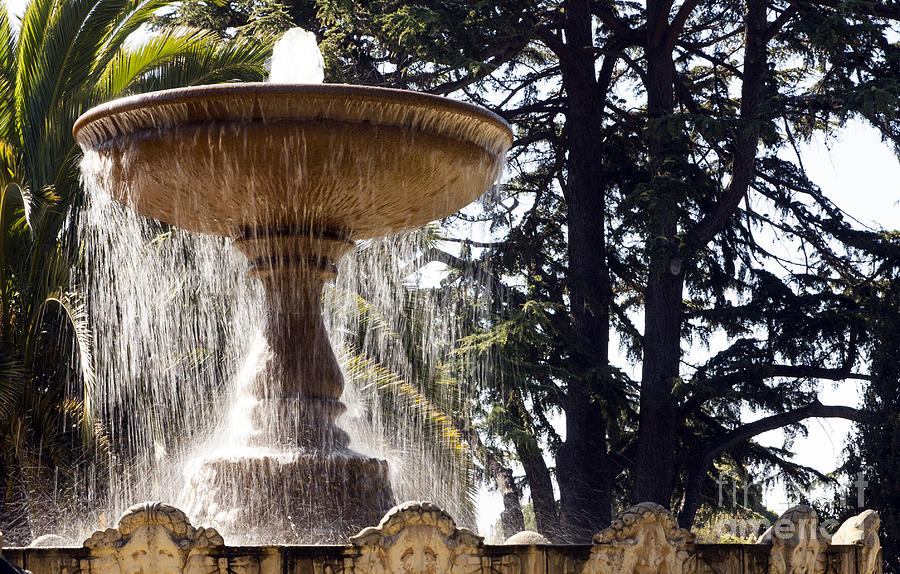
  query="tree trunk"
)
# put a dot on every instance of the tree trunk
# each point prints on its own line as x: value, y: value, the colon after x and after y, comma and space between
x: 655, y: 462
x: 512, y: 518
x: 582, y: 465
x: 690, y: 502
x: 536, y: 472
x: 743, y: 170
x: 541, y: 485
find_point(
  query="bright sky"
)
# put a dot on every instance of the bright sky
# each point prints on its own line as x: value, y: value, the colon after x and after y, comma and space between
x: 862, y: 175
x: 16, y: 7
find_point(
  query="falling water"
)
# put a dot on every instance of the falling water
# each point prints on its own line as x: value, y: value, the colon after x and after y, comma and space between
x: 177, y: 329
x: 174, y: 316
x: 178, y: 332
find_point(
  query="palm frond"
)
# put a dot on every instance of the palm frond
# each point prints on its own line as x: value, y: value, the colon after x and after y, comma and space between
x: 15, y: 208
x: 76, y: 318
x: 369, y: 373
x: 124, y: 26
x: 30, y: 44
x: 7, y: 75
x: 9, y: 160
x: 12, y: 379
x: 207, y: 61
x: 183, y: 57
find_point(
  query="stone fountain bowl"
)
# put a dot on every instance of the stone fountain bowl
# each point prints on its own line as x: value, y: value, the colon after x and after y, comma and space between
x: 346, y: 161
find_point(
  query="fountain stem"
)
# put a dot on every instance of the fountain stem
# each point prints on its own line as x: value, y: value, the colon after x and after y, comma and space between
x: 299, y: 392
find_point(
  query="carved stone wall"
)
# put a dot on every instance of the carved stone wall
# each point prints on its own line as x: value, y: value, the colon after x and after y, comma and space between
x: 420, y: 538
x: 417, y: 538
x: 797, y: 543
x: 862, y: 531
x: 645, y: 539
x: 152, y: 538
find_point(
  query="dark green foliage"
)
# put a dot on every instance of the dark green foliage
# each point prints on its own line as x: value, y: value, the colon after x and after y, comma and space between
x: 874, y: 452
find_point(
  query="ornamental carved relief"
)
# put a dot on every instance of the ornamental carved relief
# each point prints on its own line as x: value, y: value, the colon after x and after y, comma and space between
x: 417, y: 538
x: 644, y: 539
x: 797, y: 543
x: 155, y: 538
x: 862, y: 530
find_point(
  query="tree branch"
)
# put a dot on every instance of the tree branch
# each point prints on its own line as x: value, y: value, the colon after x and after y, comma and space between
x: 691, y: 48
x: 744, y: 157
x: 779, y: 22
x: 473, y: 243
x: 477, y: 272
x: 701, y: 461
x: 750, y: 430
x: 678, y: 22
x: 507, y: 54
x: 810, y: 372
x: 608, y: 18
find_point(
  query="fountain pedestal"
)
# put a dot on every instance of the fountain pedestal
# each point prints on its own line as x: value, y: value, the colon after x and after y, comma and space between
x: 310, y: 497
x: 319, y: 489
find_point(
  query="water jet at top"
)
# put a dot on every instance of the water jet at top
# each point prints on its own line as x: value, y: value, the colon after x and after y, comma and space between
x: 293, y: 174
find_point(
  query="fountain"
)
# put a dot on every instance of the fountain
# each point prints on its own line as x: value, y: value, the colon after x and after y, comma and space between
x: 294, y: 174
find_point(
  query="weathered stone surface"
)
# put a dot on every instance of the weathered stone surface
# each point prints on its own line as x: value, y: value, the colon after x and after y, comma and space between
x: 862, y: 530
x: 417, y: 538
x: 756, y: 559
x: 720, y: 559
x: 644, y: 539
x: 152, y: 538
x: 420, y: 538
x: 527, y: 537
x: 797, y: 543
x: 839, y: 562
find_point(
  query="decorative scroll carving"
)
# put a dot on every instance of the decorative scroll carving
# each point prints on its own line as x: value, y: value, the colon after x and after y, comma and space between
x: 417, y: 538
x: 798, y: 544
x: 862, y: 530
x: 645, y: 539
x: 155, y: 538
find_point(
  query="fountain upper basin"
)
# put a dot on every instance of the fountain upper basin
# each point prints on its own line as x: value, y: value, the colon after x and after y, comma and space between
x: 351, y: 161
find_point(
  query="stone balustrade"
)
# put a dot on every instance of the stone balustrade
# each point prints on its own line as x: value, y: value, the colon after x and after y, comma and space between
x: 420, y: 538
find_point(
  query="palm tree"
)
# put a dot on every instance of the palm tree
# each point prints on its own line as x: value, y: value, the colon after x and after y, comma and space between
x: 67, y: 56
